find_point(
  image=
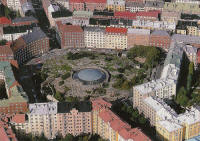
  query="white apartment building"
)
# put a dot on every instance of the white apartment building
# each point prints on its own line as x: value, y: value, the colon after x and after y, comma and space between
x: 94, y: 37
x: 188, y: 1
x: 14, y: 36
x: 43, y: 119
x: 134, y: 6
x: 165, y: 87
x: 14, y: 4
x: 161, y: 25
x: 64, y: 3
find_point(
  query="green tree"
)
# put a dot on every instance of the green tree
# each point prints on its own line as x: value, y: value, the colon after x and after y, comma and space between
x: 182, y: 98
x: 69, y: 137
x: 59, y: 96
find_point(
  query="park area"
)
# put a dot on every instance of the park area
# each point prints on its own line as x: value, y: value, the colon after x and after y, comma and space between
x: 123, y: 70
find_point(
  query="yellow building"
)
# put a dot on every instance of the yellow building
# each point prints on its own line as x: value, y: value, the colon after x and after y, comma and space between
x: 181, y: 31
x: 116, y: 5
x: 116, y: 38
x: 169, y: 131
x: 193, y: 30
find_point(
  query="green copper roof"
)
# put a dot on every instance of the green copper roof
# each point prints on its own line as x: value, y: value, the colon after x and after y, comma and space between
x: 17, y: 93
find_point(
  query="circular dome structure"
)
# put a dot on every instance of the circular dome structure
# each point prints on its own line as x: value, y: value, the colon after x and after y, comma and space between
x: 90, y: 76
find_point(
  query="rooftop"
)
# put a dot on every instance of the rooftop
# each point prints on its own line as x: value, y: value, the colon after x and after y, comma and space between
x: 139, y: 31
x: 134, y: 4
x: 43, y: 108
x: 36, y: 34
x: 66, y: 107
x: 68, y: 28
x: 4, y: 20
x: 24, y: 19
x: 125, y: 14
x: 169, y: 125
x: 189, y: 39
x: 160, y: 33
x: 116, y: 30
x: 94, y: 29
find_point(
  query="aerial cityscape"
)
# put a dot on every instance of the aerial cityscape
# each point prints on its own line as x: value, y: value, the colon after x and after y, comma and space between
x: 99, y: 70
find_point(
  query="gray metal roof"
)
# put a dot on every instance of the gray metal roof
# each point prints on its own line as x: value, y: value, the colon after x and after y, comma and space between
x: 160, y: 32
x: 94, y: 29
x: 36, y: 34
x: 134, y: 4
x: 27, y: 6
x: 158, y: 4
x: 23, y: 19
x: 186, y: 39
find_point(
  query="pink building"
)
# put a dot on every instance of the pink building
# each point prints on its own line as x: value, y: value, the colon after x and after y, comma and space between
x: 87, y: 5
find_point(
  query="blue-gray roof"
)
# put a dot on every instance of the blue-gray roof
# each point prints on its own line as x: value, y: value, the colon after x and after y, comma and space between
x: 160, y: 32
x: 24, y: 19
x: 36, y: 34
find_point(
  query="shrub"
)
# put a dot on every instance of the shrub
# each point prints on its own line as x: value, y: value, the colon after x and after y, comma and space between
x: 66, y: 75
x: 61, y: 83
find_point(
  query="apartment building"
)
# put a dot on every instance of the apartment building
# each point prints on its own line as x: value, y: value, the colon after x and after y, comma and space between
x: 6, y: 54
x: 193, y: 30
x: 148, y: 15
x: 116, y: 5
x: 42, y: 119
x: 116, y: 38
x: 191, y: 53
x: 54, y: 118
x: 170, y: 16
x: 110, y: 126
x: 138, y: 37
x: 94, y: 37
x: 64, y: 3
x: 16, y: 101
x: 187, y: 39
x: 154, y: 5
x: 6, y: 133
x: 20, y: 21
x: 189, y: 8
x: 160, y: 38
x: 87, y: 5
x: 154, y: 25
x: 70, y: 36
x: 133, y: 6
x: 169, y: 125
x: 165, y: 87
x: 74, y: 118
x: 28, y: 46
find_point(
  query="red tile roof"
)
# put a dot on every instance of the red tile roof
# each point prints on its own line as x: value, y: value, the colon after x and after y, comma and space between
x: 18, y: 118
x: 68, y: 28
x: 125, y: 14
x: 116, y: 30
x: 154, y: 13
x: 100, y: 103
x: 4, y: 20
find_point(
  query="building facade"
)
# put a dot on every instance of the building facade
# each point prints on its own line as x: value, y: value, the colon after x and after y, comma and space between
x: 116, y: 38
x: 94, y: 37
x: 160, y: 38
x: 138, y: 37
x: 70, y: 36
x: 28, y: 46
